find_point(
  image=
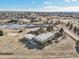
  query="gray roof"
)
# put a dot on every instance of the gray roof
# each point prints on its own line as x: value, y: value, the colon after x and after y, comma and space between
x: 44, y: 37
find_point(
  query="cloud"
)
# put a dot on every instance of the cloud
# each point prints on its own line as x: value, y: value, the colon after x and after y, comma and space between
x: 48, y: 8
x: 71, y: 0
x: 75, y: 0
x: 33, y: 2
x: 59, y: 9
x: 71, y: 8
x: 67, y: 0
x: 47, y: 2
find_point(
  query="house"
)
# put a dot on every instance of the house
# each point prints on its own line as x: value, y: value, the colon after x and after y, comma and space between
x: 43, y: 38
x: 24, y: 21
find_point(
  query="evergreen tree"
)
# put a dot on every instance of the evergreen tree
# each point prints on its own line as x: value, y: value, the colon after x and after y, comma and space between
x: 1, y: 33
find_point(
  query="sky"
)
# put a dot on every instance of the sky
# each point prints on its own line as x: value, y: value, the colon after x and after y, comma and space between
x: 40, y: 5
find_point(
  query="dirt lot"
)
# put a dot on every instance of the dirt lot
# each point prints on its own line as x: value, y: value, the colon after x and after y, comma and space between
x: 12, y: 48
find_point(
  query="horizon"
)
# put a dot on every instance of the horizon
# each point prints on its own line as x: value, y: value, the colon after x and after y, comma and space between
x: 40, y: 5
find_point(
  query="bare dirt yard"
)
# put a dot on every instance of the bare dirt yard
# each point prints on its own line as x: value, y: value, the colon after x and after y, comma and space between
x: 12, y: 48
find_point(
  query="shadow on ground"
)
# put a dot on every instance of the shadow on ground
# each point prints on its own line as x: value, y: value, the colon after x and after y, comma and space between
x: 77, y: 47
x: 29, y: 45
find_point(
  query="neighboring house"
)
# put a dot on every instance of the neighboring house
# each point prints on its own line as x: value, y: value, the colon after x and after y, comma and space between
x: 24, y: 21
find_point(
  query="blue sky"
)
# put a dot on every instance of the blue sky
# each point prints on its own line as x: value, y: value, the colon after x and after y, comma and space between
x: 40, y: 5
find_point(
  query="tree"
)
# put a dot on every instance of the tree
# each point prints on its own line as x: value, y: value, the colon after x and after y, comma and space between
x: 1, y: 33
x: 46, y: 22
x: 71, y: 26
x: 48, y: 19
x: 50, y: 28
x: 61, y: 30
x: 75, y: 29
x: 68, y: 24
x: 51, y: 22
x: 39, y: 19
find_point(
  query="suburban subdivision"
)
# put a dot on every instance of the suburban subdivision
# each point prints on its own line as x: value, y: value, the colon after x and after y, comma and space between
x: 39, y: 35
